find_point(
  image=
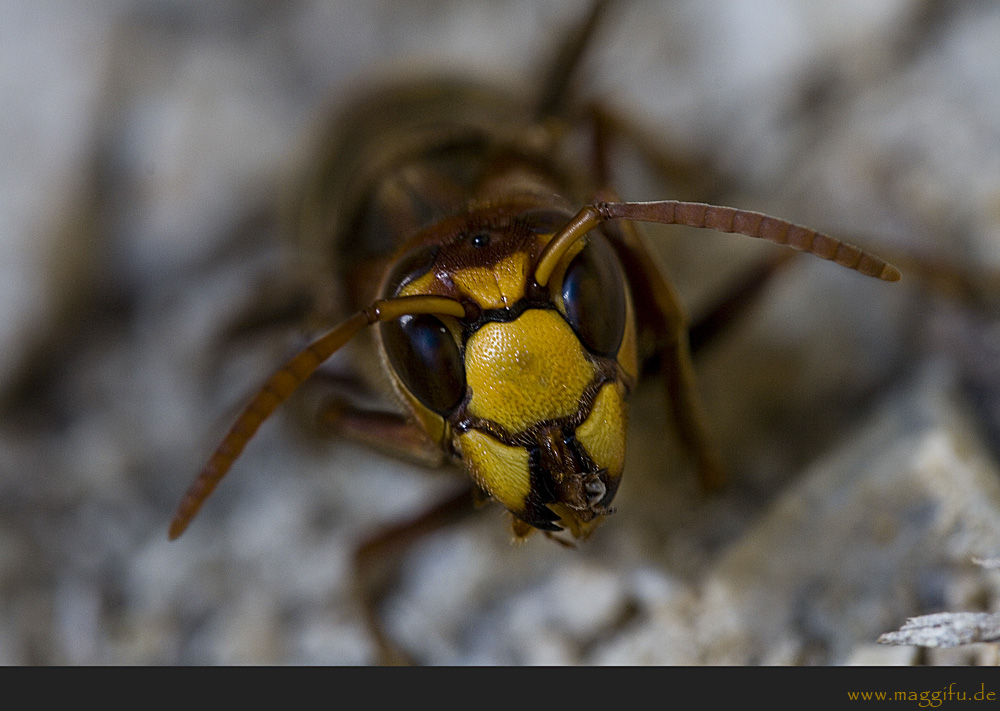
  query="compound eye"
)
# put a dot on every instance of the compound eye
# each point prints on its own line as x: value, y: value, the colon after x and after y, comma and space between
x: 410, y: 266
x: 427, y: 360
x: 593, y: 295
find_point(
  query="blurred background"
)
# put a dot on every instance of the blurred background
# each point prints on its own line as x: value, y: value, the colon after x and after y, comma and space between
x: 150, y: 146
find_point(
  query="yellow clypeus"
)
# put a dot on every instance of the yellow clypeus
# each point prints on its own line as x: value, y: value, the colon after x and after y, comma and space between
x: 526, y: 371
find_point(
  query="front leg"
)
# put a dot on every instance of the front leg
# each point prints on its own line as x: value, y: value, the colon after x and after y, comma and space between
x: 389, y: 432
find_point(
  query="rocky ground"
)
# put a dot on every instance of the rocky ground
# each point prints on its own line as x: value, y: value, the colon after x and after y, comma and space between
x: 150, y: 146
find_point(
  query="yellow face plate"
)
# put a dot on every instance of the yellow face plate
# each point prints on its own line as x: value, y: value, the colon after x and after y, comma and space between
x: 525, y: 371
x: 496, y: 287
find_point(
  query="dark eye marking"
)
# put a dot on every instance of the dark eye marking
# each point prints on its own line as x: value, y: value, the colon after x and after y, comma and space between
x: 427, y: 360
x: 593, y: 295
x: 409, y: 267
